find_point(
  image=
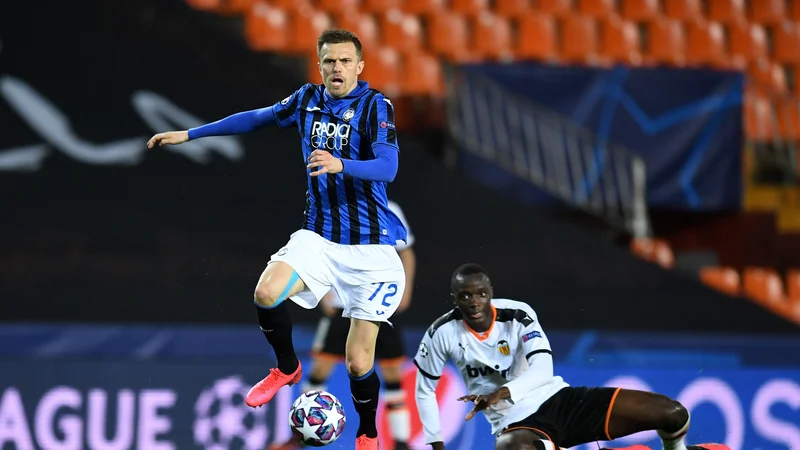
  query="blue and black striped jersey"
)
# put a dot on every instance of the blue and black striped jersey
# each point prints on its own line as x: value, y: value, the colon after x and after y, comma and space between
x: 341, y: 208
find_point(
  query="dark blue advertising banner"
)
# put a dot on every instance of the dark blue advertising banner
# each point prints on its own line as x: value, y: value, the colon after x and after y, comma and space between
x: 685, y: 123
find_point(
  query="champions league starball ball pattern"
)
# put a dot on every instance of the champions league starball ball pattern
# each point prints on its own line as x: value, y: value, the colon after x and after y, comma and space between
x: 317, y: 418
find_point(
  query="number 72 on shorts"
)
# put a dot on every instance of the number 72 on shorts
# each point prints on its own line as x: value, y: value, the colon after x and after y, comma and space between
x: 388, y: 291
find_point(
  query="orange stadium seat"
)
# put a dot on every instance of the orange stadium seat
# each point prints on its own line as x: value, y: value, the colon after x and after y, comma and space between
x: 380, y: 6
x: 364, y: 25
x: 767, y: 12
x: 786, y: 42
x: 536, y: 37
x: 727, y: 11
x: 767, y: 75
x: 620, y: 41
x: 512, y: 8
x: 794, y: 11
x: 763, y: 285
x: 239, y: 6
x: 639, y: 10
x: 656, y: 251
x: 793, y: 284
x: 788, y: 118
x: 578, y: 38
x: 758, y: 118
x: 266, y: 28
x: 382, y: 69
x: 748, y: 41
x: 205, y: 5
x: 722, y: 279
x: 666, y: 42
x: 401, y: 31
x: 492, y: 36
x: 336, y: 6
x: 469, y: 8
x: 312, y: 69
x: 423, y: 7
x: 447, y: 36
x: 422, y: 74
x: 706, y: 44
x: 306, y: 24
x: 558, y: 8
x: 597, y: 8
x: 683, y: 10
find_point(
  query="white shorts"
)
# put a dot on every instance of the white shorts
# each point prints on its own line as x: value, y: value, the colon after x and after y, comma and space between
x: 369, y: 279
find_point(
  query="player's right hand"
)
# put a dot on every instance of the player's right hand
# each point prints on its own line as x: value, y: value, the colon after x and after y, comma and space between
x: 168, y: 138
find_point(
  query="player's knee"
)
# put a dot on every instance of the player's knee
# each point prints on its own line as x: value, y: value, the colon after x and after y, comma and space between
x: 267, y: 295
x: 513, y: 441
x: 672, y: 414
x: 359, y: 364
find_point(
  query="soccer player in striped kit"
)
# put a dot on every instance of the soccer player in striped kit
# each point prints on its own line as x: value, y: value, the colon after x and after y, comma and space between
x: 348, y: 235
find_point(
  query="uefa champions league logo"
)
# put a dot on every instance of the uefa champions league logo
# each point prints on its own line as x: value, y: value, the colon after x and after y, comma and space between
x: 224, y: 422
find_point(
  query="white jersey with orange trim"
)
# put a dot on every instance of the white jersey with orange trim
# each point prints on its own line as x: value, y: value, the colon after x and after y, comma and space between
x: 514, y: 353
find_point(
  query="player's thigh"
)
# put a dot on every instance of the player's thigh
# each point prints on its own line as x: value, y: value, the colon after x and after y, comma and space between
x: 634, y: 411
x: 305, y: 259
x: 360, y: 348
x: 522, y: 439
x: 277, y: 282
x: 575, y: 415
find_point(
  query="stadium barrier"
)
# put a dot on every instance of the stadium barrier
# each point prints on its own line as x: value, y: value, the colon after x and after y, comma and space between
x: 159, y: 388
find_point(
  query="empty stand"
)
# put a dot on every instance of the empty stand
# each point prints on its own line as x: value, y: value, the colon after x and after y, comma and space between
x: 666, y: 42
x: 599, y: 9
x: 620, y: 40
x: 706, y: 44
x: 640, y: 10
x: 727, y: 11
x: 723, y: 279
x: 684, y: 10
x: 578, y: 38
x: 763, y: 285
x: 536, y: 37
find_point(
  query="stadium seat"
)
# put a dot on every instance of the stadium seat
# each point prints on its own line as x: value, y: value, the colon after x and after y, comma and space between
x: 656, y: 251
x: 793, y: 284
x: 382, y: 68
x: 763, y: 285
x: 786, y: 42
x: 598, y: 9
x: 578, y: 39
x: 364, y: 25
x: 748, y: 41
x: 768, y: 75
x: 379, y: 6
x: 619, y: 41
x: 266, y: 28
x: 767, y: 12
x: 306, y: 24
x: 536, y: 37
x: 758, y: 118
x: 422, y: 74
x: 683, y: 10
x: 401, y: 31
x: 423, y: 7
x: 469, y: 8
x: 666, y: 42
x: 447, y: 36
x: 639, y: 10
x: 512, y: 9
x: 722, y: 279
x: 727, y: 11
x: 788, y: 118
x: 336, y: 6
x: 557, y: 8
x: 312, y: 69
x: 239, y: 6
x: 492, y: 37
x: 794, y: 11
x: 706, y: 44
x: 205, y: 5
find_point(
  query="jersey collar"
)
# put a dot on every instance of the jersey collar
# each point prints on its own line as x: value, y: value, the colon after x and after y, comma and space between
x: 360, y: 89
x: 483, y: 336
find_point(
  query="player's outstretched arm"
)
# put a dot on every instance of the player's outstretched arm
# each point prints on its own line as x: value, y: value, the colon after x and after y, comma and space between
x: 428, y: 409
x: 239, y: 123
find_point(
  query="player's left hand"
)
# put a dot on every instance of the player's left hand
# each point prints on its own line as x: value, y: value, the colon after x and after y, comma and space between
x: 484, y: 401
x: 326, y: 162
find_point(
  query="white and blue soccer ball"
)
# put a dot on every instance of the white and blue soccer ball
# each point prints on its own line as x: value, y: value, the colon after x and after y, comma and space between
x: 317, y: 418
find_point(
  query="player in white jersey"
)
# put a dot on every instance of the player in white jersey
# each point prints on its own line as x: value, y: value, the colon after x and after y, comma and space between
x: 505, y: 359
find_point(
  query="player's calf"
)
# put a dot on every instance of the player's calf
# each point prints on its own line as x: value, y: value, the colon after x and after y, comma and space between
x: 364, y: 382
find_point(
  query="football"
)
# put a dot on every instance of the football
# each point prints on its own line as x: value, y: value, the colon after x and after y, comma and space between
x: 317, y: 418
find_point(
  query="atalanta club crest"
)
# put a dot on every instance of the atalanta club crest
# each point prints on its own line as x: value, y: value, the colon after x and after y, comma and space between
x: 348, y: 115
